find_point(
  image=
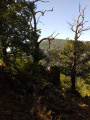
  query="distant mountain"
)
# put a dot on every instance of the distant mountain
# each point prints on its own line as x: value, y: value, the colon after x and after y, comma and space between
x: 57, y: 43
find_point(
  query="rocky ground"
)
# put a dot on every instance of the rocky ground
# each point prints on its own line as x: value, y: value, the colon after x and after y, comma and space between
x: 41, y: 102
x: 47, y: 104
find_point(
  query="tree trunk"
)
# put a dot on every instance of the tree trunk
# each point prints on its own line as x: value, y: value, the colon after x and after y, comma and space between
x: 4, y: 52
x: 36, y: 53
x: 73, y: 82
x: 73, y: 71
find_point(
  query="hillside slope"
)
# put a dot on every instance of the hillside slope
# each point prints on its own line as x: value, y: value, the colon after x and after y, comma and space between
x: 57, y: 43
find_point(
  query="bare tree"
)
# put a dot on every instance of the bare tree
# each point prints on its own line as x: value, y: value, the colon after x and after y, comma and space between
x: 78, y: 28
x: 33, y: 25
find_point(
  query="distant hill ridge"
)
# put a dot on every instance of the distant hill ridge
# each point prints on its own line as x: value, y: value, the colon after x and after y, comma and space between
x: 57, y: 43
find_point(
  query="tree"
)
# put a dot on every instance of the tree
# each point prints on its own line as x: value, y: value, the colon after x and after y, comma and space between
x: 19, y: 30
x: 15, y: 29
x: 77, y: 27
x: 37, y: 52
x: 3, y: 24
x: 64, y: 59
x: 82, y: 57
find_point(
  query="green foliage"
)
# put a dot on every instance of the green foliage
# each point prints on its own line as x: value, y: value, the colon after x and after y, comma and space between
x: 22, y: 72
x: 15, y: 28
x: 64, y: 58
x: 19, y: 35
x: 65, y: 82
x: 82, y: 87
x: 54, y: 75
x: 38, y: 54
x: 53, y: 57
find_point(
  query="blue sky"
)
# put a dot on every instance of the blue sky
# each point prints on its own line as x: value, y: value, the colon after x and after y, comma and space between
x: 64, y: 11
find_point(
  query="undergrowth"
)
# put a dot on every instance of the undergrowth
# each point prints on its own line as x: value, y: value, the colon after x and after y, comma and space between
x: 81, y: 86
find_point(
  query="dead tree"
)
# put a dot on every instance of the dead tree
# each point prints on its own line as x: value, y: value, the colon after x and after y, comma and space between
x: 33, y: 28
x: 78, y: 28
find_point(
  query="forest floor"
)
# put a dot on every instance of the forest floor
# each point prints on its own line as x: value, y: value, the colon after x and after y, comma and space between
x: 41, y: 102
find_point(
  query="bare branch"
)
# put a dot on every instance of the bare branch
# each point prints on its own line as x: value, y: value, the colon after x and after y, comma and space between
x: 49, y: 38
x: 79, y: 6
x: 86, y: 29
x: 43, y: 12
x: 31, y: 27
x: 41, y: 22
x: 78, y: 26
x: 71, y: 26
x: 81, y: 30
x: 82, y: 23
x: 56, y: 35
x: 40, y: 1
x: 38, y: 19
x: 79, y: 35
x: 51, y: 35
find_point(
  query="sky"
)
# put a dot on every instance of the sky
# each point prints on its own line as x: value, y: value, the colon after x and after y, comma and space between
x: 57, y: 21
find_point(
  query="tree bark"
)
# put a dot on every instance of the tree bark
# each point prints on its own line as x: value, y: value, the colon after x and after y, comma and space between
x: 73, y: 69
x: 4, y: 52
x: 36, y: 53
x: 73, y: 76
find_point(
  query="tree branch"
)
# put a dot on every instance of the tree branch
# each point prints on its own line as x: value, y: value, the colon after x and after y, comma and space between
x: 79, y: 23
x: 71, y: 26
x: 43, y: 12
x: 48, y: 38
x: 40, y: 1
